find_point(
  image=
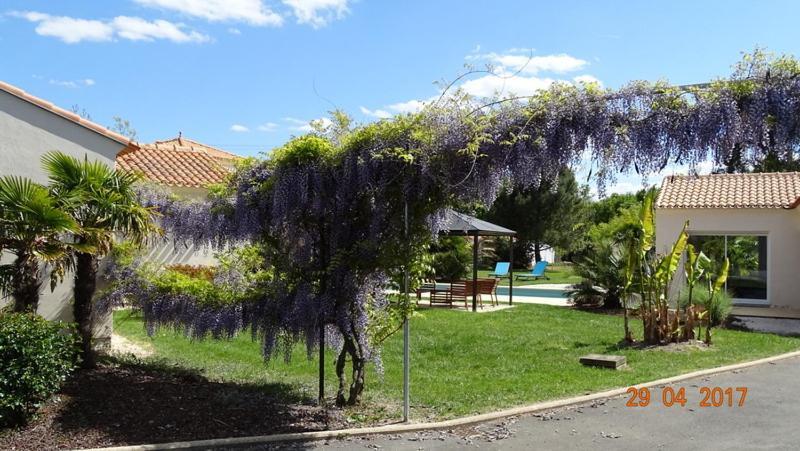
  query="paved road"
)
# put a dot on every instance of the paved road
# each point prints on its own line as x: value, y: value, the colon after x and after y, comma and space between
x: 770, y: 419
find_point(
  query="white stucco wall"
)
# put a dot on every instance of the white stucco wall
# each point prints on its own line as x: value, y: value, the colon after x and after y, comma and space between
x: 27, y: 132
x: 781, y: 226
x: 167, y: 252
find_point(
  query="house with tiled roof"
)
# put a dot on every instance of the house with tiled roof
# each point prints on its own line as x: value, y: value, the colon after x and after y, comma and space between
x: 29, y: 128
x: 753, y: 220
x: 185, y: 166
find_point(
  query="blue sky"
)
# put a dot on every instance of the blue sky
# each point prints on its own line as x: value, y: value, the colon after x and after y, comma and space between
x: 245, y: 75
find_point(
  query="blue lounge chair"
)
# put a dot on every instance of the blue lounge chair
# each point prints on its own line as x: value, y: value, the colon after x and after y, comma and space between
x: 500, y: 269
x: 536, y: 273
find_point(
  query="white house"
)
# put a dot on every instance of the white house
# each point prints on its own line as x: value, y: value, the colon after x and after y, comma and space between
x: 752, y: 219
x: 186, y: 168
x: 31, y: 127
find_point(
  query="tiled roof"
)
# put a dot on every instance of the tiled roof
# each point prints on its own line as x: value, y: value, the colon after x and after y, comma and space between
x: 171, y: 164
x: 219, y: 154
x: 69, y: 115
x: 764, y: 190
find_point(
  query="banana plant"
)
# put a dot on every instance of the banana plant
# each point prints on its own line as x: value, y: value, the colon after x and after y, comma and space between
x: 714, y: 288
x: 694, y: 267
x: 669, y: 264
x: 651, y: 274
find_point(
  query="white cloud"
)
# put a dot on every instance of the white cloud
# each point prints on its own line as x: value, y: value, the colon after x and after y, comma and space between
x: 138, y: 29
x: 505, y: 84
x: 513, y: 73
x: 380, y: 114
x: 587, y: 79
x: 67, y: 29
x: 253, y: 12
x: 411, y: 106
x: 238, y: 128
x: 72, y: 83
x: 516, y: 72
x: 73, y: 30
x: 234, y: 31
x: 317, y: 13
x: 268, y: 127
x: 302, y: 126
x: 560, y: 63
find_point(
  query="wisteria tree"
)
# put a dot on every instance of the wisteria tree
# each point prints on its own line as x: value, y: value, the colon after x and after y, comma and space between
x: 328, y: 207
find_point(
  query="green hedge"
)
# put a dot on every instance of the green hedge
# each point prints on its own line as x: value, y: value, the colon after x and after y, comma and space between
x: 36, y: 356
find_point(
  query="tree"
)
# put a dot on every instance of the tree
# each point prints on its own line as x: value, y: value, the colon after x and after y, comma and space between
x: 774, y: 153
x: 333, y: 211
x: 606, y: 209
x: 32, y: 229
x: 103, y: 203
x: 546, y: 215
x: 451, y: 258
x: 124, y: 128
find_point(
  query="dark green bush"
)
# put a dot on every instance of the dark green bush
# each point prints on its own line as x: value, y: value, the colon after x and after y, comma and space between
x: 36, y: 356
x: 452, y: 258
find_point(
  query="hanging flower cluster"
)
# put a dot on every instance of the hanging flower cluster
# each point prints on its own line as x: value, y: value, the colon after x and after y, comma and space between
x: 329, y: 209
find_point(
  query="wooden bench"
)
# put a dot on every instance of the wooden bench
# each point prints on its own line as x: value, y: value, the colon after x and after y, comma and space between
x: 461, y: 291
x: 485, y: 287
x: 456, y: 293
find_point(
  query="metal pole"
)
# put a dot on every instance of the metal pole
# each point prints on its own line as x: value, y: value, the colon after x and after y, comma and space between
x: 406, y: 326
x: 511, y: 273
x: 475, y: 273
x: 321, y: 361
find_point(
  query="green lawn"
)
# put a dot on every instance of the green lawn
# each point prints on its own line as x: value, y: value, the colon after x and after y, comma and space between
x: 559, y: 273
x: 465, y: 363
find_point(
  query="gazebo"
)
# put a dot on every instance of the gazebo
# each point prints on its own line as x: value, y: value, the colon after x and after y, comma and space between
x: 460, y: 224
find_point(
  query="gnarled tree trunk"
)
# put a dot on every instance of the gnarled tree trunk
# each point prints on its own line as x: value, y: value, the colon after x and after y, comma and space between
x: 352, y: 348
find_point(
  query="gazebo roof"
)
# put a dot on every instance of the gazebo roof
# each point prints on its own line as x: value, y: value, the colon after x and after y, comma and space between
x: 460, y: 224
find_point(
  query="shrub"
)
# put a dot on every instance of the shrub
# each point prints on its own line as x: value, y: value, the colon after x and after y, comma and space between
x: 602, y: 268
x: 586, y: 294
x: 194, y: 271
x: 720, y: 310
x: 36, y: 356
x: 452, y: 258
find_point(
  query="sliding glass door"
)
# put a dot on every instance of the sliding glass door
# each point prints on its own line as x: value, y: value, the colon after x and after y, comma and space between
x: 747, y: 277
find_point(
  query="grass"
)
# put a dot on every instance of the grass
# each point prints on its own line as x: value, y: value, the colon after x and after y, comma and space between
x: 558, y: 273
x: 466, y: 363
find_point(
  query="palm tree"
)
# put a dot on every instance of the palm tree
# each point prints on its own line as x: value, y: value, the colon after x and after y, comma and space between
x: 31, y: 228
x: 104, y: 204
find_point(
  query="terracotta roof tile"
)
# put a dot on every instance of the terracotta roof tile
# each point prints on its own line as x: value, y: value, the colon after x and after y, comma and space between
x: 69, y: 115
x: 182, y: 142
x: 173, y: 164
x: 764, y: 190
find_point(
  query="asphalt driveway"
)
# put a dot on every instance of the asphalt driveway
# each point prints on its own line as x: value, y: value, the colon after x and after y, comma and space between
x: 769, y: 419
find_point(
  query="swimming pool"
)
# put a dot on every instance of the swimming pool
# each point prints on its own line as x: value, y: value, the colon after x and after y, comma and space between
x: 534, y: 292
x: 523, y: 291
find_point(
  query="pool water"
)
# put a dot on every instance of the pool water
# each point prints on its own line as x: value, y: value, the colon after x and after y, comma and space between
x: 534, y: 292
x: 524, y: 291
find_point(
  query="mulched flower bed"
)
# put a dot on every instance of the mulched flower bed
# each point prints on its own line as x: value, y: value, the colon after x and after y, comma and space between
x: 135, y: 403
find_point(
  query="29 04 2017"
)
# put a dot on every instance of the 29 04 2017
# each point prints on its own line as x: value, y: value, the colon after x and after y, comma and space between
x: 676, y: 397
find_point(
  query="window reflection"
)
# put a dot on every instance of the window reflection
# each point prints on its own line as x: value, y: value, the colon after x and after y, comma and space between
x: 747, y: 276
